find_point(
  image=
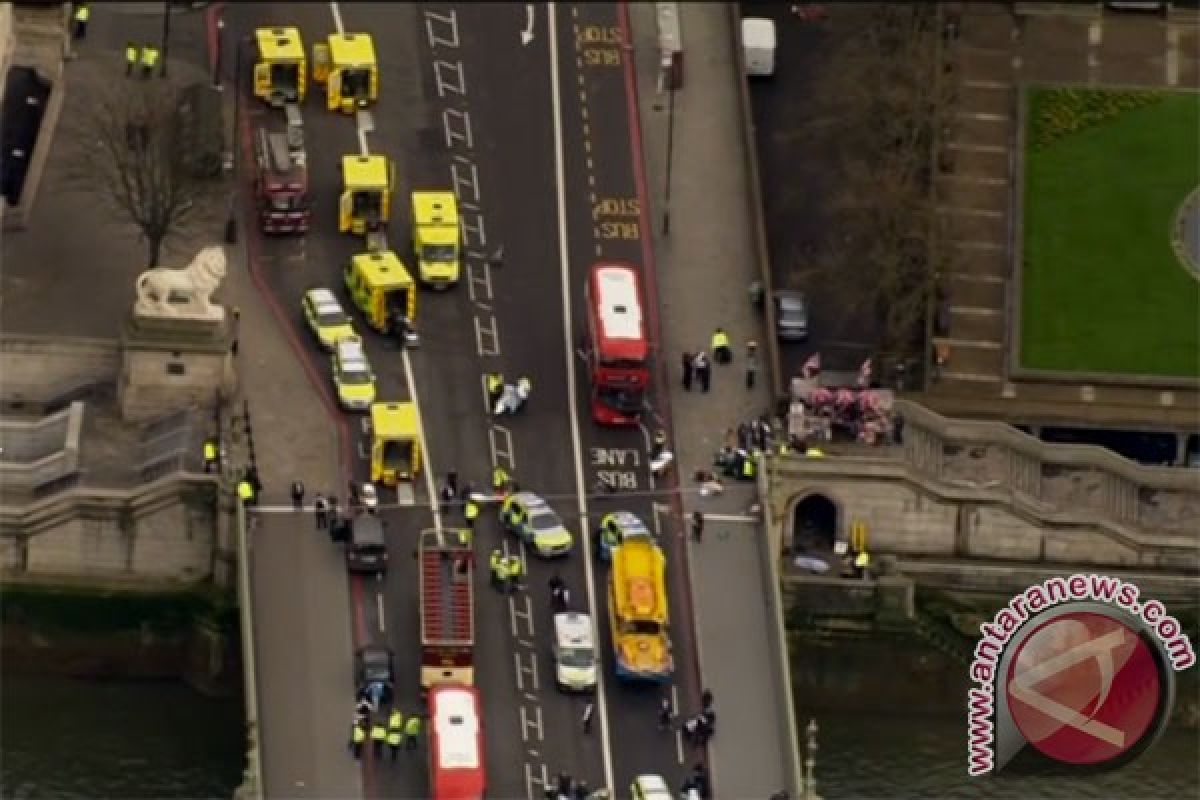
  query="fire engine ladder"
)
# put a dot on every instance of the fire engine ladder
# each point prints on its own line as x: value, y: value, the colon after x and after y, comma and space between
x: 448, y: 598
x: 295, y: 134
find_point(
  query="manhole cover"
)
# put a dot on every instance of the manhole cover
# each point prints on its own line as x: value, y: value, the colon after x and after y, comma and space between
x: 1187, y: 233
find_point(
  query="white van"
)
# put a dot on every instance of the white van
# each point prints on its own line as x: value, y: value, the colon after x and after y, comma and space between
x: 758, y: 45
x: 574, y: 652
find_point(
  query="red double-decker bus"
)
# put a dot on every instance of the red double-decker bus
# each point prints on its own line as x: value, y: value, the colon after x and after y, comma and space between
x: 617, y: 347
x: 456, y: 770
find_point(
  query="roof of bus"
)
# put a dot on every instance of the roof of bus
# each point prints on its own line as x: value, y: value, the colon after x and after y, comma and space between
x: 436, y: 208
x: 394, y: 419
x: 351, y: 50
x: 456, y: 737
x: 619, y: 303
x: 383, y: 269
x: 365, y: 172
x: 279, y: 44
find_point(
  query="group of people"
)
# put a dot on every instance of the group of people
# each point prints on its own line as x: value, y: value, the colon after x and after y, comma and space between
x: 697, y: 367
x: 506, y: 571
x: 566, y: 788
x: 507, y: 398
x: 396, y: 732
x: 698, y: 729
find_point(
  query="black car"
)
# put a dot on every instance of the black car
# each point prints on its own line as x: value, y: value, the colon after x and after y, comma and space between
x: 791, y: 314
x: 366, y: 548
x: 374, y: 664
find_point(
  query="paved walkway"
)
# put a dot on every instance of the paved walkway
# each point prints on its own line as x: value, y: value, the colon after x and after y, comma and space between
x: 704, y: 268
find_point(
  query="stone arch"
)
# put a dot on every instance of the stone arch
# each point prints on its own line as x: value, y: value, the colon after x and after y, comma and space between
x: 816, y: 519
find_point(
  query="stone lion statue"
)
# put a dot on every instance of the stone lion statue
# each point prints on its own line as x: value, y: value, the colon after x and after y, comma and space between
x: 187, y: 292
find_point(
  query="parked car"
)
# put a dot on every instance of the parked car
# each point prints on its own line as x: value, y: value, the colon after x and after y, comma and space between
x: 791, y: 315
x: 375, y: 664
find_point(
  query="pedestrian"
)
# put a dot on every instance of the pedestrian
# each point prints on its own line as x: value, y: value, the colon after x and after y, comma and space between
x: 703, y: 368
x: 320, y: 512
x: 131, y: 58
x: 660, y: 443
x: 246, y: 493
x: 149, y: 60
x: 452, y: 481
x: 252, y: 476
x: 581, y: 791
x: 500, y: 478
x: 722, y: 354
x: 395, y: 734
x: 79, y: 21
x: 212, y: 455
x: 751, y: 363
x: 470, y: 512
x: 334, y: 518
x: 706, y: 700
x: 378, y: 737
x: 664, y: 712
x: 697, y: 526
x: 687, y: 371
x: 564, y: 785
x: 700, y: 779
x: 494, y: 383
x: 352, y: 498
x: 298, y: 495
x: 412, y: 729
x: 589, y: 711
x: 358, y: 735
x: 447, y: 497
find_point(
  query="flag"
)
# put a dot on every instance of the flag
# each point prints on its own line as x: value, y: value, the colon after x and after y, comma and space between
x: 812, y: 367
x: 864, y: 374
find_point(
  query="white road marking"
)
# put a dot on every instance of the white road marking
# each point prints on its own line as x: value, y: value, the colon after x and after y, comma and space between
x: 457, y: 82
x: 379, y: 608
x: 527, y: 31
x: 463, y: 131
x: 564, y: 258
x: 678, y: 731
x: 337, y: 17
x: 427, y: 467
x: 487, y: 341
x: 470, y: 180
x: 436, y: 41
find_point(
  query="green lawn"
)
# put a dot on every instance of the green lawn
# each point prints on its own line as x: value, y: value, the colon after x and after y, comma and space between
x: 1103, y: 291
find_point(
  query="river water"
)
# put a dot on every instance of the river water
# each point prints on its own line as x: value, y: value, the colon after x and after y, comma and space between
x: 879, y: 756
x: 67, y: 739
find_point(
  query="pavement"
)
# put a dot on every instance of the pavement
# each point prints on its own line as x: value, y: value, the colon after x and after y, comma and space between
x: 704, y: 269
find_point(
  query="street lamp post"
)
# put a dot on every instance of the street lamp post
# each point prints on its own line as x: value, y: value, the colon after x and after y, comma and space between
x: 666, y: 67
x: 235, y: 142
x: 166, y: 39
x: 218, y: 58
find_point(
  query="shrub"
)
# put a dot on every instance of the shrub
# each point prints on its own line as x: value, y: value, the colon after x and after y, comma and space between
x: 1056, y: 113
x: 88, y: 610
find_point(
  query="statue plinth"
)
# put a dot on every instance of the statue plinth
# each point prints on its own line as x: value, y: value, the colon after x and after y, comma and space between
x: 176, y: 344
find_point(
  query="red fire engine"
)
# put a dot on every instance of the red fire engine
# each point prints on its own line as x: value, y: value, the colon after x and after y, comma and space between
x: 617, y: 348
x: 281, y: 182
x: 446, y: 608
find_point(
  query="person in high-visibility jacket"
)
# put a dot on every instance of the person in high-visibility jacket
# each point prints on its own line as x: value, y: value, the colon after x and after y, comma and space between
x: 496, y: 566
x: 412, y: 729
x: 721, y: 351
x: 748, y: 468
x: 211, y: 455
x: 131, y: 58
x: 862, y: 562
x: 495, y: 388
x: 378, y: 737
x: 395, y: 733
x: 358, y: 735
x: 610, y: 533
x: 514, y: 570
x: 500, y: 478
x: 245, y: 492
x: 471, y: 512
x: 149, y: 60
x: 465, y: 536
x: 814, y: 452
x: 79, y: 20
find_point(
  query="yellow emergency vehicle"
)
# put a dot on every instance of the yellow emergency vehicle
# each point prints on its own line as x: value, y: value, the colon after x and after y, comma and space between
x: 345, y: 64
x: 435, y: 237
x: 382, y: 288
x: 280, y: 69
x: 395, y: 443
x: 366, y: 202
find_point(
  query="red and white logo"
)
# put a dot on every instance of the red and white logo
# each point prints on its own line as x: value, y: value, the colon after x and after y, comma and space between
x: 1085, y: 688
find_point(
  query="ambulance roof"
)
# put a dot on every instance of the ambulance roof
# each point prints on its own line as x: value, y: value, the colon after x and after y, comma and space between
x: 351, y: 356
x: 279, y: 44
x: 435, y: 208
x: 365, y: 172
x: 351, y: 50
x: 383, y: 269
x: 394, y: 419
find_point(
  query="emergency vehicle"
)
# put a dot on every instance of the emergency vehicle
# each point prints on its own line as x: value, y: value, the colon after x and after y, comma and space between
x: 447, y: 609
x: 345, y: 65
x: 616, y: 344
x: 366, y: 202
x: 279, y: 67
x: 352, y: 375
x: 456, y: 765
x: 382, y: 288
x: 435, y: 238
x: 281, y: 175
x: 395, y: 443
x: 637, y: 611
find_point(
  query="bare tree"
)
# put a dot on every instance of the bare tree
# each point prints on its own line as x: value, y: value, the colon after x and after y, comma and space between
x: 881, y: 99
x: 142, y: 160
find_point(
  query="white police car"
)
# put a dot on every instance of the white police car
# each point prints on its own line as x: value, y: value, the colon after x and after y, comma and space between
x: 574, y: 652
